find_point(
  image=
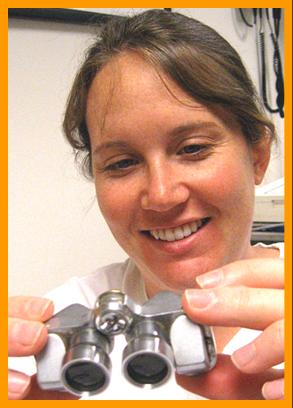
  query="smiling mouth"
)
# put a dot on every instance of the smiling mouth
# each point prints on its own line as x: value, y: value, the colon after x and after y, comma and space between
x: 178, y: 233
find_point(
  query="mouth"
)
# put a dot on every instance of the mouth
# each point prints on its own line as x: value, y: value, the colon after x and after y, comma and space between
x: 178, y: 233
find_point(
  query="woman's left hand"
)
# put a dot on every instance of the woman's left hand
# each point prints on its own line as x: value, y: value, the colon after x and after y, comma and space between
x: 248, y: 293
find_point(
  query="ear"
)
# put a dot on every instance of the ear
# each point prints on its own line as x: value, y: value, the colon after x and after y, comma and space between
x: 261, y: 153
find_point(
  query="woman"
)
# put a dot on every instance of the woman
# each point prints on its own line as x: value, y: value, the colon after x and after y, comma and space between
x: 173, y: 136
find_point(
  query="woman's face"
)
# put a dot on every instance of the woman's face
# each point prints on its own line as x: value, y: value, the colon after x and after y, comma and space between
x: 174, y: 179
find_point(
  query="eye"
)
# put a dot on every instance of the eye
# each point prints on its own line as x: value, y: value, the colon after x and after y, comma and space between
x: 192, y: 149
x: 123, y: 164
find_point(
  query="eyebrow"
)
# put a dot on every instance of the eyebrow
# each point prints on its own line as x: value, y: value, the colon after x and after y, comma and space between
x: 110, y: 145
x: 175, y: 132
x: 194, y: 126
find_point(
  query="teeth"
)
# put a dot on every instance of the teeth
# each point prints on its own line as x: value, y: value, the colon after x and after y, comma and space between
x: 170, y: 235
x: 156, y: 234
x: 195, y: 225
x: 187, y: 229
x: 177, y: 233
x: 162, y: 235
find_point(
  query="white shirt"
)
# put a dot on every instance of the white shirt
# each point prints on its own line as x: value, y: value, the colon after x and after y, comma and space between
x: 125, y: 277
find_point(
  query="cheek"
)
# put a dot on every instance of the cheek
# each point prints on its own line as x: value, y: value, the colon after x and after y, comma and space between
x: 116, y: 203
x: 231, y: 183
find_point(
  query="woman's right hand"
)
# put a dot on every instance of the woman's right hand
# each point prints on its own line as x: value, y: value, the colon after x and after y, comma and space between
x: 27, y: 335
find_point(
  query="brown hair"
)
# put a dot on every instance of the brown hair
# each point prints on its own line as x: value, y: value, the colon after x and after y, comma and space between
x: 192, y: 54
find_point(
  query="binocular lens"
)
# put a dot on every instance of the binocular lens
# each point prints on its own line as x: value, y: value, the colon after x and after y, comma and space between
x: 85, y: 376
x: 147, y: 368
x: 86, y: 369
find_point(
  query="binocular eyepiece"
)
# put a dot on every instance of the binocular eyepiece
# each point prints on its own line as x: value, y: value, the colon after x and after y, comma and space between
x: 159, y: 336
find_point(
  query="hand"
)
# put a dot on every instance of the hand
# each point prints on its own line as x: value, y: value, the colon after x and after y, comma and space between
x: 27, y: 335
x: 249, y: 294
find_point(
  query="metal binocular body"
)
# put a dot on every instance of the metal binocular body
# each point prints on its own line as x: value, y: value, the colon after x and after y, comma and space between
x: 159, y: 337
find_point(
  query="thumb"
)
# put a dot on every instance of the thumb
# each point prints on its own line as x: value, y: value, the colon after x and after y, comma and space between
x: 226, y: 382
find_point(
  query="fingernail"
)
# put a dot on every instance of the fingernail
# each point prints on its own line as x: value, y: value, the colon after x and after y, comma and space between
x: 199, y: 298
x: 27, y: 333
x: 18, y: 383
x: 210, y: 279
x: 244, y: 355
x: 38, y: 307
x: 273, y: 390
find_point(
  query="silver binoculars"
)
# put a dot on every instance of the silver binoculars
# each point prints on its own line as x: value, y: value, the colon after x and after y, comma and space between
x: 159, y: 337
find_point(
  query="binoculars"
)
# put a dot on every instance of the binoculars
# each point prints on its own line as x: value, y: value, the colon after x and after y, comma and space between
x: 159, y: 336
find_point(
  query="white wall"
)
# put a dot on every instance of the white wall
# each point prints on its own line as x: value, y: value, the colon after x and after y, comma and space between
x: 55, y: 227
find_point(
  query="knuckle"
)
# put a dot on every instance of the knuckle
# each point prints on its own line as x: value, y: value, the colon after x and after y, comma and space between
x: 241, y: 299
x: 239, y: 271
x: 17, y: 305
x: 13, y: 302
x: 233, y: 302
x: 30, y: 307
x: 25, y: 337
x: 279, y: 332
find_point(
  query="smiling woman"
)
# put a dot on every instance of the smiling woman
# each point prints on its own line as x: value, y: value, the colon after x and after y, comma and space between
x: 173, y: 181
x: 172, y: 134
x: 186, y: 47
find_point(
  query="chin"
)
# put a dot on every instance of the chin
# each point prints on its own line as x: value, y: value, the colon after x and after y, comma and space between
x: 178, y: 276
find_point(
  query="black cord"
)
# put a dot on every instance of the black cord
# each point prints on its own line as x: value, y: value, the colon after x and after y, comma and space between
x: 277, y: 65
x: 263, y: 74
x: 254, y: 15
x: 244, y: 18
x: 277, y: 17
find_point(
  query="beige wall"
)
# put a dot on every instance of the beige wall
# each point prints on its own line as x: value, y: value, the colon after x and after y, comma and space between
x: 55, y: 228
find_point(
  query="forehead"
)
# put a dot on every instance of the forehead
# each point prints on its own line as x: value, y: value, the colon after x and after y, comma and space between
x: 128, y: 83
x: 130, y: 95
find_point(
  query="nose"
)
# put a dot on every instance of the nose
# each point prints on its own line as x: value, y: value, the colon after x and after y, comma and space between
x: 165, y: 188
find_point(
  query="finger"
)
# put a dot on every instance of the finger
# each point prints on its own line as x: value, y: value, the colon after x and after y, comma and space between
x: 25, y: 337
x: 274, y: 390
x: 264, y: 352
x: 36, y: 393
x: 30, y: 308
x: 234, y: 306
x: 226, y: 382
x: 18, y: 385
x: 258, y: 273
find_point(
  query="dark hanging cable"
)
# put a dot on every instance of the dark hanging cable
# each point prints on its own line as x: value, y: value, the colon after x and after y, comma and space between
x: 277, y: 18
x: 277, y: 64
x: 244, y: 18
x: 277, y: 69
x: 263, y: 74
